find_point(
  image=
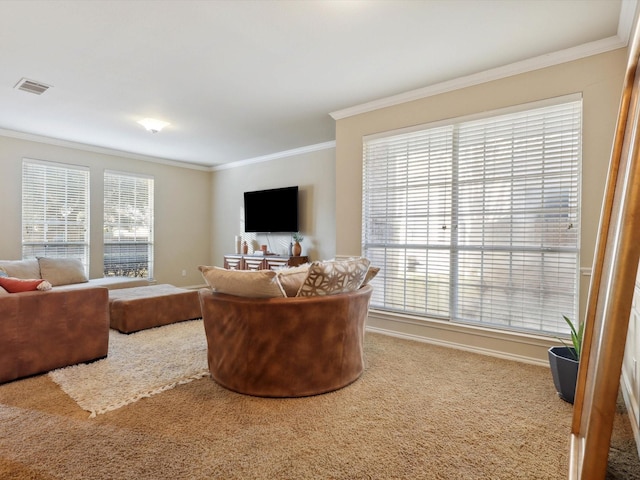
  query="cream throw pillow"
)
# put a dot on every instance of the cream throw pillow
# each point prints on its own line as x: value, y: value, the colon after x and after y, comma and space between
x: 21, y: 268
x: 334, y: 277
x: 62, y: 271
x: 292, y: 278
x: 243, y: 283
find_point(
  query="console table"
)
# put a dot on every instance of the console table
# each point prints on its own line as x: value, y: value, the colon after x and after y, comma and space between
x: 262, y: 262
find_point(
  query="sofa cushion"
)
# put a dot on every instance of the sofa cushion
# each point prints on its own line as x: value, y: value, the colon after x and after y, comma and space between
x: 243, y: 283
x: 334, y: 277
x: 111, y: 283
x: 17, y: 285
x: 28, y: 268
x: 292, y: 278
x: 62, y: 271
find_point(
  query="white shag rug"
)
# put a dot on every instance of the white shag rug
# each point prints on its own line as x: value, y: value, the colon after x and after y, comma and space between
x: 138, y: 365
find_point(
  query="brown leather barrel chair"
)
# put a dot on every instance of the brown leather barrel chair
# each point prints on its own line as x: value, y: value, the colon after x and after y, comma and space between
x: 285, y: 347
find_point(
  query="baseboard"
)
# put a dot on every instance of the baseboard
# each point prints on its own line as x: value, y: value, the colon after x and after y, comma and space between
x: 516, y: 346
x: 633, y: 407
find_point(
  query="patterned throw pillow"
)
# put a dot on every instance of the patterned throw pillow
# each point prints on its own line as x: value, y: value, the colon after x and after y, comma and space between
x: 334, y: 277
x: 17, y: 285
x: 371, y: 273
x: 243, y: 283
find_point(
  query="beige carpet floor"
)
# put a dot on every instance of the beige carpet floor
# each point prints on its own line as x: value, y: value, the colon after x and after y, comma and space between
x: 418, y: 412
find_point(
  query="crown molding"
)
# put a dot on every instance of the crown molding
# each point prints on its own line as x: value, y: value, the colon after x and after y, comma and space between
x: 274, y: 156
x: 96, y: 149
x: 628, y: 11
x: 531, y: 64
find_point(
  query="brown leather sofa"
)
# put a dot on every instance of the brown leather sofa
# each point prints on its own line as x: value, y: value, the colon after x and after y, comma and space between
x: 42, y: 331
x: 285, y: 347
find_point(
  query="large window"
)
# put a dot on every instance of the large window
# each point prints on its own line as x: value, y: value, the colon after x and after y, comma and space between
x: 55, y: 210
x: 478, y: 220
x: 128, y: 225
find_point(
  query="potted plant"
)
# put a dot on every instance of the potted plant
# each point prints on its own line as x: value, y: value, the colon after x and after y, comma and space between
x: 564, y: 362
x: 297, y: 248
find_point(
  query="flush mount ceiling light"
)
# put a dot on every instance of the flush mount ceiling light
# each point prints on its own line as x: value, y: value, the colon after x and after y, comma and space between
x: 152, y: 125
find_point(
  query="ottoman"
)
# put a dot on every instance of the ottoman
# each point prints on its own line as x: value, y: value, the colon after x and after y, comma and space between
x: 137, y: 308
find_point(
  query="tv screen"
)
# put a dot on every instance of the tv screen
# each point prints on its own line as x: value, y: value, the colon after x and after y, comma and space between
x: 271, y: 211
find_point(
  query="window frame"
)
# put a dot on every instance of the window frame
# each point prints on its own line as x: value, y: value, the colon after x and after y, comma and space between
x: 144, y: 210
x: 453, y: 245
x: 57, y: 180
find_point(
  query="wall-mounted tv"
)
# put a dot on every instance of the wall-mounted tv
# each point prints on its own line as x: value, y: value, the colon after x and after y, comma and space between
x: 271, y: 211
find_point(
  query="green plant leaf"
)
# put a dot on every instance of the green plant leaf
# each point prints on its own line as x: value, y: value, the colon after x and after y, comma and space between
x: 576, y: 336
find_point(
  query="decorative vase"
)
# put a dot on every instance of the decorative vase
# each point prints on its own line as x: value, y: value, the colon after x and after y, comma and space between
x: 238, y: 244
x: 564, y: 369
x: 297, y: 249
x: 245, y: 247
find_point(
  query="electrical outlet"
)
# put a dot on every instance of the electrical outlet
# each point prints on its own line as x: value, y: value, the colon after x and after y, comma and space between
x: 184, y: 273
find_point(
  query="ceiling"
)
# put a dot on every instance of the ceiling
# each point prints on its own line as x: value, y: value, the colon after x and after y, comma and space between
x: 240, y: 80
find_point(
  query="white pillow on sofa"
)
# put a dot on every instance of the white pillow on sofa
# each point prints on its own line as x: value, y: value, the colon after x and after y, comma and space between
x: 243, y: 283
x: 28, y: 268
x: 62, y: 271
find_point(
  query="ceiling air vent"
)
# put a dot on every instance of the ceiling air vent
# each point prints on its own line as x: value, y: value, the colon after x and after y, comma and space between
x: 31, y: 86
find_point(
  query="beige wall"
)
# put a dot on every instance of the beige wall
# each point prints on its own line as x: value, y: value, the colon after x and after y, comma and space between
x: 182, y: 206
x: 597, y: 78
x: 313, y: 173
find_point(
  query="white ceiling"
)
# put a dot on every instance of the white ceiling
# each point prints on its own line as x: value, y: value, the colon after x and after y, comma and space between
x: 240, y: 80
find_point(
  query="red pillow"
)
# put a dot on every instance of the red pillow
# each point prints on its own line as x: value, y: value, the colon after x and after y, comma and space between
x: 15, y: 285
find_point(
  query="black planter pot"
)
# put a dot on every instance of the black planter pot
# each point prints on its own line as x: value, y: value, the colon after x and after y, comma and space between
x: 564, y: 370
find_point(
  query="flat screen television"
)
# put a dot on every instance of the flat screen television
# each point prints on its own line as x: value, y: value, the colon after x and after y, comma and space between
x: 271, y: 211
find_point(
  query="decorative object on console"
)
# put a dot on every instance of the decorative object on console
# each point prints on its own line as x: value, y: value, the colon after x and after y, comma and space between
x: 245, y: 247
x: 238, y: 244
x: 297, y: 248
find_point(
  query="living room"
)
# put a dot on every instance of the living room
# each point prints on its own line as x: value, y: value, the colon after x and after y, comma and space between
x: 197, y: 211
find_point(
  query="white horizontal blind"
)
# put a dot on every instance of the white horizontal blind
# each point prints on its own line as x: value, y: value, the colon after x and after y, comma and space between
x: 478, y: 221
x: 128, y: 225
x: 55, y: 211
